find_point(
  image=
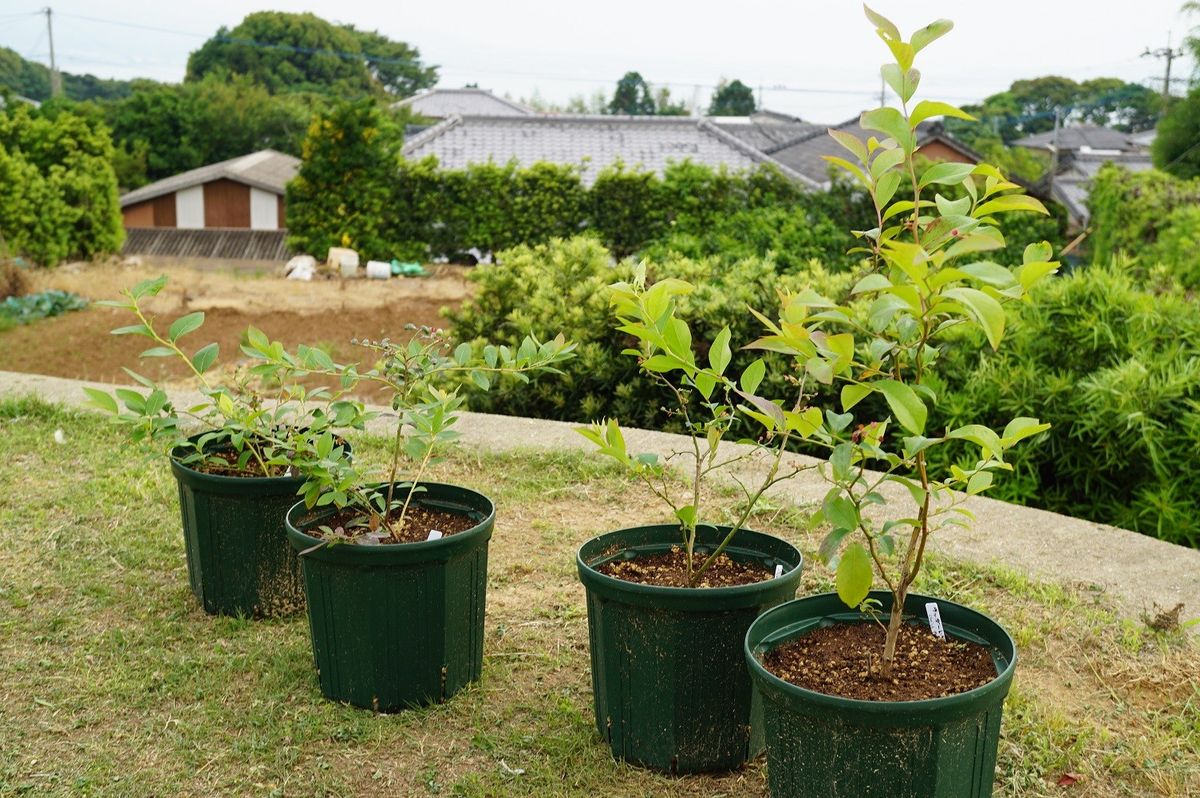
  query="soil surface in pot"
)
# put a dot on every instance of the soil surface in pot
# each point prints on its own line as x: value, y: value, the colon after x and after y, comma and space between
x: 419, y: 521
x: 843, y: 660
x: 669, y: 569
x: 224, y: 463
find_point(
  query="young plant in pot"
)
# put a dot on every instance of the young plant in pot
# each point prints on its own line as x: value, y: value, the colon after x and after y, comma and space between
x: 886, y: 692
x: 395, y: 566
x: 231, y: 454
x: 669, y: 603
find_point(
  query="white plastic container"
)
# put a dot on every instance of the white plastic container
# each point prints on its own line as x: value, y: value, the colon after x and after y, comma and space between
x: 378, y: 270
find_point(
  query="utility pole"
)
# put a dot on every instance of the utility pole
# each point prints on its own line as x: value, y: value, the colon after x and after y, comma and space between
x: 55, y: 78
x: 1054, y: 148
x: 882, y: 94
x: 1170, y: 54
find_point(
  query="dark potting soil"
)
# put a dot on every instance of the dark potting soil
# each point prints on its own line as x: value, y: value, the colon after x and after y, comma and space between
x: 844, y: 659
x: 669, y: 569
x: 228, y: 467
x: 419, y: 521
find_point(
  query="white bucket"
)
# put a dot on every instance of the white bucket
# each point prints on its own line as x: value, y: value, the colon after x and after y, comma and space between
x: 378, y: 270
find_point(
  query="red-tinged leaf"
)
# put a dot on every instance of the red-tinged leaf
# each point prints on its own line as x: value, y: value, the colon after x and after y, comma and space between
x: 1069, y: 779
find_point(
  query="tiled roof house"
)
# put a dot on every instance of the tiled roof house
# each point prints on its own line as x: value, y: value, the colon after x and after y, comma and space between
x: 590, y: 142
x: 441, y: 103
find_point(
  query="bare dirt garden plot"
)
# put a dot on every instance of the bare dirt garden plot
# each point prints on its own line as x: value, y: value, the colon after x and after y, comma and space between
x: 327, y: 313
x: 114, y: 682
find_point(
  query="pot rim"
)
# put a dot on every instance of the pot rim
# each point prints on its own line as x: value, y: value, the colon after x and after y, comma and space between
x: 867, y: 707
x: 413, y: 549
x: 600, y: 579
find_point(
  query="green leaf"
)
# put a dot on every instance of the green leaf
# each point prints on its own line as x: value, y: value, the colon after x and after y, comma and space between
x: 839, y: 511
x: 891, y: 122
x: 840, y: 460
x: 985, y: 271
x: 886, y: 187
x: 946, y: 173
x: 132, y: 329
x: 854, y: 575
x: 158, y: 351
x: 1039, y: 252
x: 148, y: 287
x: 102, y: 400
x: 462, y: 354
x: 205, y: 357
x: 1011, y: 202
x: 908, y: 408
x: 1020, y: 428
x: 872, y: 282
x: 481, y: 380
x: 855, y: 392
x: 979, y: 482
x: 687, y: 515
x: 850, y: 142
x: 903, y: 82
x: 719, y: 353
x: 752, y: 377
x: 885, y: 160
x: 185, y: 324
x: 928, y: 108
x: 986, y: 438
x: 930, y: 33
x: 830, y: 544
x: 985, y: 311
x: 882, y: 23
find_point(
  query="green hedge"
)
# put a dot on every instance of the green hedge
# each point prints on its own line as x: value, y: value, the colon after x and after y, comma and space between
x: 1148, y: 216
x: 59, y: 189
x: 560, y: 287
x: 1115, y: 368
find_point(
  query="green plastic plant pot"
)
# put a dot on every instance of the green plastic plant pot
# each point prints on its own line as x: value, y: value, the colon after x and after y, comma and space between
x: 398, y: 625
x: 822, y: 746
x: 238, y: 557
x: 669, y: 680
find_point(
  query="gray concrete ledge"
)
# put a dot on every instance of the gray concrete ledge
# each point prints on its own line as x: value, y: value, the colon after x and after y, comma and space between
x: 1135, y: 571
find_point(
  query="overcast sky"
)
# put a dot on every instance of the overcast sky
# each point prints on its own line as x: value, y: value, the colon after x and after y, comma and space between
x: 818, y: 60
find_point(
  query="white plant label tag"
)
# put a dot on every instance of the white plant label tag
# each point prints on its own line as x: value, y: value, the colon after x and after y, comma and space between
x: 778, y: 570
x: 434, y: 535
x: 935, y: 620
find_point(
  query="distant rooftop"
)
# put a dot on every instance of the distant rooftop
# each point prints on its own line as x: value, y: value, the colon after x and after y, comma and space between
x: 764, y: 130
x: 265, y: 169
x: 1084, y: 137
x: 442, y: 103
x: 590, y: 142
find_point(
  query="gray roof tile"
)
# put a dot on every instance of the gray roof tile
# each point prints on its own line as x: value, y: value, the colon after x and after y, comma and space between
x: 1076, y: 137
x: 591, y: 142
x: 265, y: 169
x: 441, y: 103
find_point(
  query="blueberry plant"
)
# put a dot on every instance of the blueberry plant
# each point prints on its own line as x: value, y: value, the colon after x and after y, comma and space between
x: 262, y: 415
x: 712, y: 406
x: 422, y: 378
x: 930, y: 274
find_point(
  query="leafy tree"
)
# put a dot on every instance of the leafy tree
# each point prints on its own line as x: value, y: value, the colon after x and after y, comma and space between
x: 1176, y: 148
x: 632, y: 96
x: 342, y: 195
x: 162, y: 129
x: 665, y: 106
x: 732, y: 99
x: 31, y: 79
x: 302, y: 52
x: 60, y: 190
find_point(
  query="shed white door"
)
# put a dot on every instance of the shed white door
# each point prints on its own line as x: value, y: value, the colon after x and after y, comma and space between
x: 264, y: 210
x: 189, y: 208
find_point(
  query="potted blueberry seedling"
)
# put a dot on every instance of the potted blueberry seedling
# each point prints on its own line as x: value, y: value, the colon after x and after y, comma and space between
x: 231, y: 453
x: 669, y: 603
x: 885, y: 692
x: 395, y: 566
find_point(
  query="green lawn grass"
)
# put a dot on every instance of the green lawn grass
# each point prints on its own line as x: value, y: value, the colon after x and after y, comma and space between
x: 113, y: 682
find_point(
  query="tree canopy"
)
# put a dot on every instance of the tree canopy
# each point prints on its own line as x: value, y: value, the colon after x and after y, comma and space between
x: 60, y: 191
x: 732, y: 99
x: 161, y: 129
x: 1176, y: 148
x: 31, y: 79
x: 632, y: 96
x: 301, y: 52
x: 1027, y: 107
